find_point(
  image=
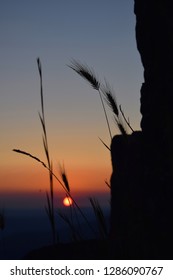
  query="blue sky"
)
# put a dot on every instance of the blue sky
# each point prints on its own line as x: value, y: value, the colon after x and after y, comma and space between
x: 99, y: 33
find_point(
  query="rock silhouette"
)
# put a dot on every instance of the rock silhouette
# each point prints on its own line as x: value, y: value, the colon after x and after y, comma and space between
x: 142, y: 178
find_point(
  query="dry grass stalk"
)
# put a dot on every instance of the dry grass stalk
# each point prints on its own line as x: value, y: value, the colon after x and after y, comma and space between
x: 104, y: 144
x: 100, y: 218
x: 90, y: 77
x: 88, y: 74
x: 64, y: 178
x: 109, y: 97
x: 29, y: 155
x: 112, y: 103
x: 75, y: 235
x: 106, y: 182
x: 85, y: 72
x: 49, y: 195
x: 127, y: 121
x: 65, y: 189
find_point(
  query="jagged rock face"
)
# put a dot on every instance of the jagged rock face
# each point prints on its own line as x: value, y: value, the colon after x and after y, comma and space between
x: 142, y: 178
x: 154, y: 26
x: 154, y: 36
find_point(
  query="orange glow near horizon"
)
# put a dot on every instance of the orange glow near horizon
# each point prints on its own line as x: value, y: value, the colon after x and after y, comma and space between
x: 31, y: 179
x: 26, y: 186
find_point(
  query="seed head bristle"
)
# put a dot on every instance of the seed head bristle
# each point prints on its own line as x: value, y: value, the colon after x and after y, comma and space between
x: 85, y: 72
x: 112, y: 103
x: 64, y: 178
x: 110, y: 98
x: 39, y: 66
x: 122, y: 128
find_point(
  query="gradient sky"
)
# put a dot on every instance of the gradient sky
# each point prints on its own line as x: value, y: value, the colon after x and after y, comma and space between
x: 97, y: 32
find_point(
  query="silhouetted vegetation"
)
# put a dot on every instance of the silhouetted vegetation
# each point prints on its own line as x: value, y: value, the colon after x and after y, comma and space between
x: 106, y: 95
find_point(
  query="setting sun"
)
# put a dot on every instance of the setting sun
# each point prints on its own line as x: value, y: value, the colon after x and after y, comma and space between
x: 67, y: 201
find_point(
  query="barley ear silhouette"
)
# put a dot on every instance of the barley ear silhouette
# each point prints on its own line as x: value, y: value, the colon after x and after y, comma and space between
x: 88, y: 74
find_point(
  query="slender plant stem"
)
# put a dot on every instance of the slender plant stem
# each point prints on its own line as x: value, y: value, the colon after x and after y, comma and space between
x: 124, y: 117
x: 50, y: 198
x: 104, y: 109
x: 65, y: 189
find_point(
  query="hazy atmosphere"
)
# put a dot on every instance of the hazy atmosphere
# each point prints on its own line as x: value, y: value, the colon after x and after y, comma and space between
x: 98, y: 33
x: 72, y: 78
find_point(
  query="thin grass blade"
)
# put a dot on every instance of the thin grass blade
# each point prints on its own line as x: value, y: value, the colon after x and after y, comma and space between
x: 104, y: 144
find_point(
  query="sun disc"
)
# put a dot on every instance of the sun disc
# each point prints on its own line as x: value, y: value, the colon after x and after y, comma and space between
x: 67, y: 201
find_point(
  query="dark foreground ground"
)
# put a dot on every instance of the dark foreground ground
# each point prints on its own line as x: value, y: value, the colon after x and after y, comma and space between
x: 83, y: 250
x: 99, y: 250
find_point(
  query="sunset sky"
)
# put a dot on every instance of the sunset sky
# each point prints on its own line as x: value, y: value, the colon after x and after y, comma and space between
x: 99, y: 33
